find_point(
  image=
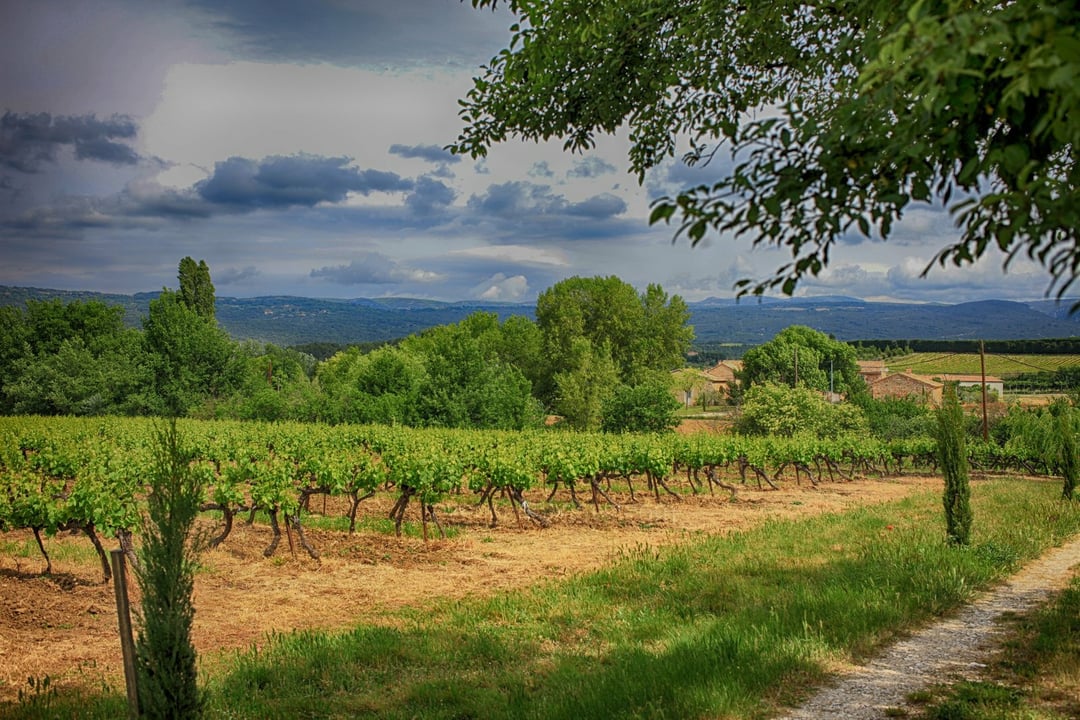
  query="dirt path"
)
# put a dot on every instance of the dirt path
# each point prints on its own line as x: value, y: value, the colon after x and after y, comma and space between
x: 953, y: 648
x: 64, y: 625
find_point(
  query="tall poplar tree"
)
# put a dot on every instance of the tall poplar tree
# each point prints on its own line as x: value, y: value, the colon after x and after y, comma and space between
x: 196, y: 288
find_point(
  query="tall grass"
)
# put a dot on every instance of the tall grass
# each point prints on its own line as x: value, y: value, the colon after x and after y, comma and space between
x: 727, y: 626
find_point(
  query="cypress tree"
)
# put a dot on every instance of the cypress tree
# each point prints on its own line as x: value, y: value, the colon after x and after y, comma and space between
x: 1066, y: 437
x: 952, y: 454
x: 165, y: 655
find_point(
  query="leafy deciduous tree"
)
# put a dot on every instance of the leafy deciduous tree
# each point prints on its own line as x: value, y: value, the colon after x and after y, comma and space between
x: 838, y: 117
x: 467, y: 383
x: 191, y: 359
x: 819, y: 362
x: 646, y: 407
x: 773, y: 409
x: 588, y: 382
x: 75, y: 358
x: 642, y: 333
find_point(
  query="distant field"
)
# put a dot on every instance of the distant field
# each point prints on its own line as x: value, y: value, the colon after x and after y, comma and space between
x: 968, y: 363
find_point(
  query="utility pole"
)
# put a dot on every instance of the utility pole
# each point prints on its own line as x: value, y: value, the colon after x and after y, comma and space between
x: 982, y: 365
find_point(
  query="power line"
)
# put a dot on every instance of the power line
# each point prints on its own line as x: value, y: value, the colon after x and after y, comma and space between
x: 1022, y: 362
x: 930, y: 360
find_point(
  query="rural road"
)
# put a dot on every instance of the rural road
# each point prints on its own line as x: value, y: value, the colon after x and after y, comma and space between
x: 952, y: 647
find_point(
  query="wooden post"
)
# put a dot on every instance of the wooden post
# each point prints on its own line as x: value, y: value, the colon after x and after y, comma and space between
x: 127, y: 642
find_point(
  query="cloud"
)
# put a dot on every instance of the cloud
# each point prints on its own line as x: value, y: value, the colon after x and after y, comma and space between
x: 296, y: 180
x: 30, y: 140
x: 429, y: 195
x: 357, y: 32
x: 516, y: 254
x: 601, y: 206
x: 374, y: 268
x: 431, y: 153
x: 591, y: 167
x: 541, y: 169
x: 236, y: 186
x: 673, y: 176
x: 500, y: 288
x: 516, y: 199
x: 234, y: 276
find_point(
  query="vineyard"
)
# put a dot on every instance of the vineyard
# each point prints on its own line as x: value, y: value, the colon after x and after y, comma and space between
x: 87, y: 475
x: 1003, y: 366
x: 342, y: 493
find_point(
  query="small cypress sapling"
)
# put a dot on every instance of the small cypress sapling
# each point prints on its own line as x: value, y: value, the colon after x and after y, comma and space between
x: 165, y: 655
x: 952, y: 454
x: 1066, y: 437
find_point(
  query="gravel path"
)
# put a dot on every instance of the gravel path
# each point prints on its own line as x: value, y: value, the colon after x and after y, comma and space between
x: 954, y: 646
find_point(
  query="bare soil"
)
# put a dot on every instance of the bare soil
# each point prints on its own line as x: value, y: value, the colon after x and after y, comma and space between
x: 64, y: 625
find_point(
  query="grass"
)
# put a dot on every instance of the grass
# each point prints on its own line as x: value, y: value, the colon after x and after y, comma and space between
x: 80, y: 552
x: 1036, y: 677
x: 731, y: 626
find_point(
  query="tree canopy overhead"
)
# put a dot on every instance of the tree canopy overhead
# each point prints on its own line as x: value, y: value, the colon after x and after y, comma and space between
x: 838, y: 115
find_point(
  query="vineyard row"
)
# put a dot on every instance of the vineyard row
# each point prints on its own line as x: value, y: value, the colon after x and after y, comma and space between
x: 91, y: 475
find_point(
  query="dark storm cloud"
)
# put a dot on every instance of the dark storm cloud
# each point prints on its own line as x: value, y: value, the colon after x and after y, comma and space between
x: 358, y: 32
x: 518, y: 200
x: 510, y: 199
x: 598, y: 206
x: 295, y: 180
x: 431, y: 153
x: 237, y: 186
x: 30, y: 140
x: 232, y: 276
x: 430, y: 195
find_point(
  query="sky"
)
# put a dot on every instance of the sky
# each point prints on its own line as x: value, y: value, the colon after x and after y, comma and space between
x: 297, y: 148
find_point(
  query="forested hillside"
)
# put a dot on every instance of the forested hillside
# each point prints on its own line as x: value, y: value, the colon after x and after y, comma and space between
x: 294, y: 320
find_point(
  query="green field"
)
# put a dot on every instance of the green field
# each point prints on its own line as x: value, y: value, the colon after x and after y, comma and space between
x: 1002, y: 366
x: 739, y: 626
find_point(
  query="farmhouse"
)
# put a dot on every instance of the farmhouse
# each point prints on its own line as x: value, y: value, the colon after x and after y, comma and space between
x: 723, y: 374
x: 907, y: 385
x: 872, y: 370
x: 718, y: 378
x: 993, y: 384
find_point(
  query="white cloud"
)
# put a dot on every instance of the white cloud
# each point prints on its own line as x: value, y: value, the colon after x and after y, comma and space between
x: 523, y: 254
x: 502, y: 289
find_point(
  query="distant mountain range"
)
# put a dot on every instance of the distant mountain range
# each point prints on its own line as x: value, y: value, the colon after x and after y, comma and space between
x: 296, y: 320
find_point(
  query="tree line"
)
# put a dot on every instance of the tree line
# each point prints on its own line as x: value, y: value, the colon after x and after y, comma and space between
x: 596, y: 349
x: 1038, y: 346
